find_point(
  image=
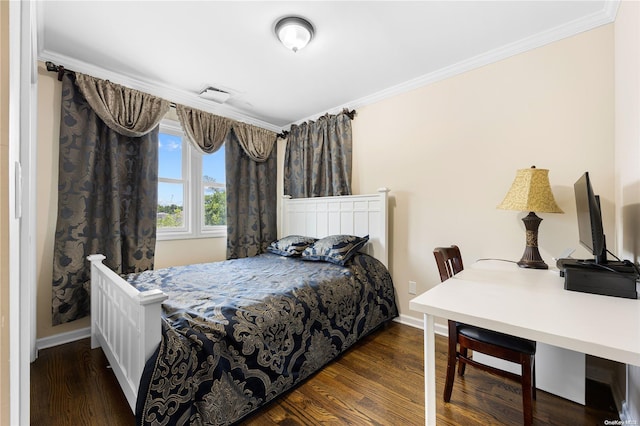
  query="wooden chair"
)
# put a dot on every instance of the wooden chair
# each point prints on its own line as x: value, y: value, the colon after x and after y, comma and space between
x: 510, y: 348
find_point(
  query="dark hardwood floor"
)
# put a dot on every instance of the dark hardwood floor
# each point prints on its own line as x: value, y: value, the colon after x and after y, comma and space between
x: 379, y: 382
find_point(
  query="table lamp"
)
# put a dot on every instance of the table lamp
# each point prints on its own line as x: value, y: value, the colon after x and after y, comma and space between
x: 530, y: 191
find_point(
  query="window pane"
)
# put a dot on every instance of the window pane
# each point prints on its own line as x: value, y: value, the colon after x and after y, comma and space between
x: 170, y: 205
x: 213, y: 186
x: 213, y: 167
x: 215, y: 206
x: 169, y: 156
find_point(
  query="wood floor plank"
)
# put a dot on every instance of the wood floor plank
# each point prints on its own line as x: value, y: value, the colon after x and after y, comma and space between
x: 380, y: 381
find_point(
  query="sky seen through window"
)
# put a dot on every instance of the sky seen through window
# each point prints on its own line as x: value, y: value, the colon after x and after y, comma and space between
x: 170, y: 166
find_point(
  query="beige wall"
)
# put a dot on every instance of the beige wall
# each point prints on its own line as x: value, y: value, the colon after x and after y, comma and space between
x: 184, y: 252
x: 627, y: 159
x: 4, y: 212
x: 450, y: 150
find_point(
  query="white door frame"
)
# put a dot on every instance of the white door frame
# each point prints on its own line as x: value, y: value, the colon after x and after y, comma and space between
x: 22, y: 165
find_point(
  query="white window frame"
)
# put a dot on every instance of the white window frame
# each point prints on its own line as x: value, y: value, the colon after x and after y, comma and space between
x: 173, y: 128
x: 193, y: 193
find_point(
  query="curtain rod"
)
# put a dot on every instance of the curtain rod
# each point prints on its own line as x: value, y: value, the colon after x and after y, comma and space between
x: 51, y: 67
x: 61, y: 70
x: 57, y: 68
x: 351, y: 114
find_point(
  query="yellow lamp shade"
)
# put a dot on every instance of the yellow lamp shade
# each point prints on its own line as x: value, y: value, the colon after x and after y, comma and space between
x: 531, y: 191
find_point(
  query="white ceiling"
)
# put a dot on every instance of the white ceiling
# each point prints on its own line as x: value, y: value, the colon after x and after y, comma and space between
x: 362, y: 51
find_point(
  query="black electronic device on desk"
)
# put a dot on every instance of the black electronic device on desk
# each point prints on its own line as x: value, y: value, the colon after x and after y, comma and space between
x: 597, y: 275
x: 614, y: 279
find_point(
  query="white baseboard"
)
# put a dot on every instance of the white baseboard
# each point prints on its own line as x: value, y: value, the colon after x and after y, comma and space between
x: 62, y: 338
x: 419, y: 323
x: 407, y: 320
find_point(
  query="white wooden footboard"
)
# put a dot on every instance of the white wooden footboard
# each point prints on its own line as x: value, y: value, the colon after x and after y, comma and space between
x: 125, y: 323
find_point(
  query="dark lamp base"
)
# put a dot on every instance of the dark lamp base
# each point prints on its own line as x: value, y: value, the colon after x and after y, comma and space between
x: 531, y: 257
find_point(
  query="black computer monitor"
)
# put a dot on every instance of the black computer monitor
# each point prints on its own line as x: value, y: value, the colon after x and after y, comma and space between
x: 590, y: 219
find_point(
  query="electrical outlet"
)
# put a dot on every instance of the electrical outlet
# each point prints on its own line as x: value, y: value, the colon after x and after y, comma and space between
x: 412, y: 287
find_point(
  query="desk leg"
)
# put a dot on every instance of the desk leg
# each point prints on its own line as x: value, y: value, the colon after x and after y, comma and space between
x: 429, y: 371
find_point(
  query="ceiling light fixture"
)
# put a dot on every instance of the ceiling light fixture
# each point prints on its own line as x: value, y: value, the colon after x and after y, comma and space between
x: 294, y: 32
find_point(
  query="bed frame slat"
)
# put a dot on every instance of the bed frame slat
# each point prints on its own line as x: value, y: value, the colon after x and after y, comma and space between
x: 125, y: 323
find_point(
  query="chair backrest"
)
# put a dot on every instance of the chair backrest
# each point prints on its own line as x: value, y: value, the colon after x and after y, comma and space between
x: 449, y: 261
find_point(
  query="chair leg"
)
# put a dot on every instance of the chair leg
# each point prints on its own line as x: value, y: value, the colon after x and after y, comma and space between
x: 533, y: 361
x: 462, y: 365
x: 451, y: 361
x: 527, y: 390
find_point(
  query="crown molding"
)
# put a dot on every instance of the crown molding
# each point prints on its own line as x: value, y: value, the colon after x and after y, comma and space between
x: 164, y: 91
x: 610, y: 9
x: 586, y: 23
x: 605, y: 16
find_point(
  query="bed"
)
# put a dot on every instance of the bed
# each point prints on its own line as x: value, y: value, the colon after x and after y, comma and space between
x: 220, y: 353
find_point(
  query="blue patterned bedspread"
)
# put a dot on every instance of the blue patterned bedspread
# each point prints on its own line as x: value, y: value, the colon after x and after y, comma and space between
x: 238, y: 333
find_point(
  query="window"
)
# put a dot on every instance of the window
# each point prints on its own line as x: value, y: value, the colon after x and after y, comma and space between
x: 191, y: 188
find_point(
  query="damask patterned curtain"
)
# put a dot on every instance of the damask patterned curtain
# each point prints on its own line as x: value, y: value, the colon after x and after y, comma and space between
x: 250, y: 172
x: 107, y: 200
x: 205, y: 131
x: 251, y: 201
x: 126, y: 111
x: 317, y: 160
x: 257, y: 143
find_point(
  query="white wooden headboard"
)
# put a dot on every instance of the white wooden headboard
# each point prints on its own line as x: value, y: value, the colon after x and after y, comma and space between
x: 345, y: 214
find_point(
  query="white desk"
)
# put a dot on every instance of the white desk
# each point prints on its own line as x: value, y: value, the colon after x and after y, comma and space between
x: 532, y: 304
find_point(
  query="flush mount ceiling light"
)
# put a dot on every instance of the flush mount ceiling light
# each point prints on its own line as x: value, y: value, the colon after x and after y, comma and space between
x: 294, y: 32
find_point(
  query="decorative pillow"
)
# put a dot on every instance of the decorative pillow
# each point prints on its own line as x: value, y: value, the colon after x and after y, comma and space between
x: 336, y: 249
x: 293, y: 245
